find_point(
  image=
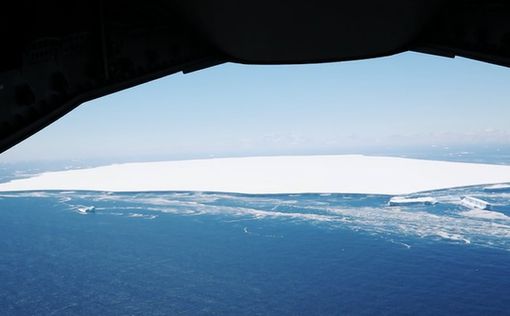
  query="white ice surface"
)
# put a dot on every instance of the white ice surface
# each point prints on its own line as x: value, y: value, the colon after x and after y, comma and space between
x: 403, y: 200
x: 279, y: 174
x: 497, y: 187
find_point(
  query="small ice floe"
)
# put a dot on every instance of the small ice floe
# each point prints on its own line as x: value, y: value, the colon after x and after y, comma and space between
x: 400, y: 200
x: 403, y: 244
x: 453, y: 237
x: 498, y: 188
x: 472, y: 202
x: 477, y: 213
x: 86, y: 209
x: 138, y: 215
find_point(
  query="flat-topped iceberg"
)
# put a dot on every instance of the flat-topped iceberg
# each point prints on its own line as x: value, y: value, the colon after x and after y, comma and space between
x: 399, y: 200
x: 498, y: 188
x: 279, y: 174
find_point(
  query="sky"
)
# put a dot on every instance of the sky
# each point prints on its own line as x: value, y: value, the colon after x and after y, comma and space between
x: 404, y: 100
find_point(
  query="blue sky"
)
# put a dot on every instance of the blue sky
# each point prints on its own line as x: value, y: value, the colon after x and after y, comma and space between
x: 237, y: 110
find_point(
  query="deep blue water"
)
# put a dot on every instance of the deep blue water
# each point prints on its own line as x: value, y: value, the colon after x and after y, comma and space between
x: 192, y: 253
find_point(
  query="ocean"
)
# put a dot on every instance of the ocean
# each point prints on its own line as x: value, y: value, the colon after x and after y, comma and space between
x: 207, y: 253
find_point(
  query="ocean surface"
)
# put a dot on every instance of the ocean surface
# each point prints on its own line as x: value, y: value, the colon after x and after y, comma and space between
x: 200, y: 253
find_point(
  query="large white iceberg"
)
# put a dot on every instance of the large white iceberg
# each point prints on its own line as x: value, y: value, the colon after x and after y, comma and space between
x: 280, y: 174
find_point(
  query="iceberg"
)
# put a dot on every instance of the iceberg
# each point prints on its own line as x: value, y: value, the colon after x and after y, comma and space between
x: 472, y: 202
x: 272, y: 175
x: 86, y: 209
x: 498, y: 188
x: 399, y: 200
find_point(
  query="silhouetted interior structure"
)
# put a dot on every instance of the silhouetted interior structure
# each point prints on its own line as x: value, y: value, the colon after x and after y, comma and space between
x: 57, y: 54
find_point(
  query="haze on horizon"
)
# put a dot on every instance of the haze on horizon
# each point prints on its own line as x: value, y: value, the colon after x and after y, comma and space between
x: 407, y: 100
